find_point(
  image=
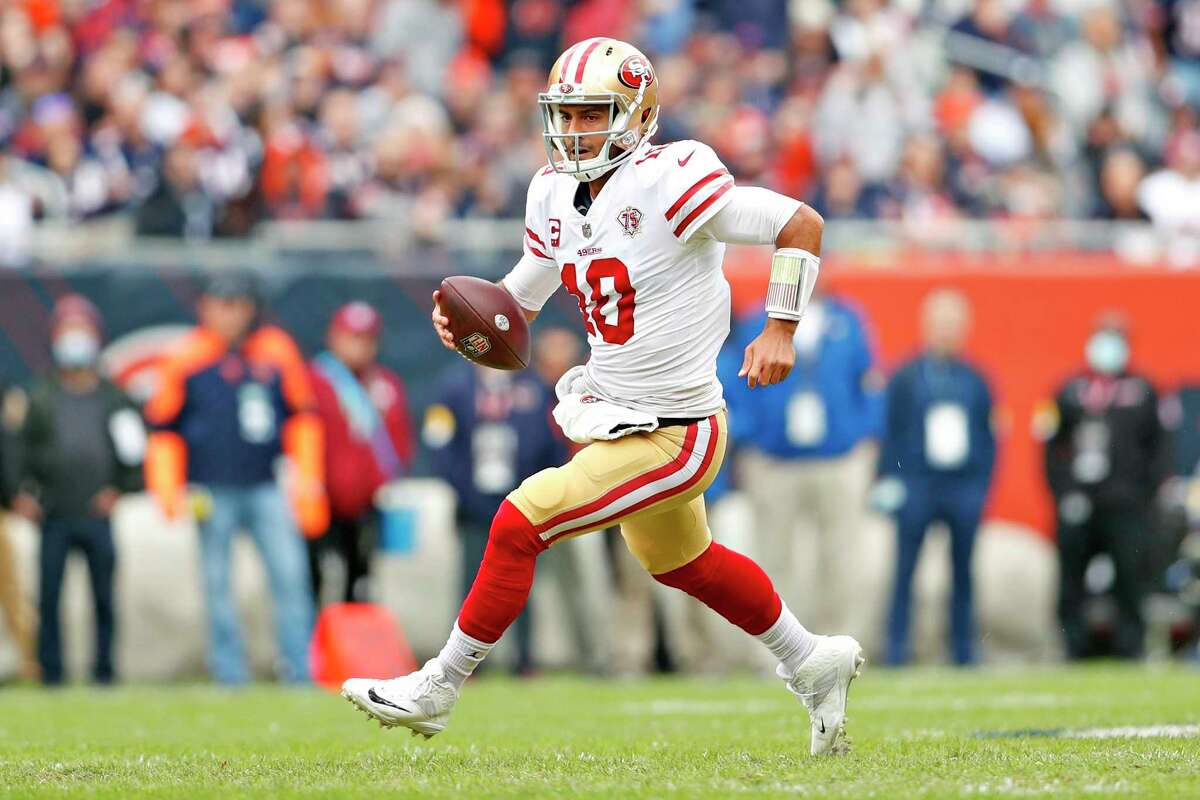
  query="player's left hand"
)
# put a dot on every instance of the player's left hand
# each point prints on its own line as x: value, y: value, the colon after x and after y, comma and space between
x: 769, y: 358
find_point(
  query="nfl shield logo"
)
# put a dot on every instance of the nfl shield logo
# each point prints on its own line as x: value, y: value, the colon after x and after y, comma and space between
x: 587, y: 230
x: 631, y: 221
x: 475, y: 345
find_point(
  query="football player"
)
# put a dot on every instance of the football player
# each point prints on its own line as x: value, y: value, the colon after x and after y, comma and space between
x: 636, y: 233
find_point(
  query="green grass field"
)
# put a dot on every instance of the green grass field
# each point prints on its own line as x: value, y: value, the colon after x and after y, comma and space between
x: 915, y: 734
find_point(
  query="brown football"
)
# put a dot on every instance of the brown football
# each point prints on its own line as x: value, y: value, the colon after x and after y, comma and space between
x: 489, y: 327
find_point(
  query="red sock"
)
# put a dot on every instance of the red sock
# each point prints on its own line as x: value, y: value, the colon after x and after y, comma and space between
x: 731, y: 585
x: 505, y: 576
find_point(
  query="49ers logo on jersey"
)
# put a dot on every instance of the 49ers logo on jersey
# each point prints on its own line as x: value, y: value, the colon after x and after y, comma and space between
x: 475, y: 345
x: 634, y: 71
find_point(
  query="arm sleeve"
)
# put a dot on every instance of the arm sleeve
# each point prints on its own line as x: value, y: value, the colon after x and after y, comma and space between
x: 693, y: 187
x: 1057, y: 452
x: 399, y: 425
x: 752, y: 215
x: 987, y: 436
x: 531, y: 282
x: 1158, y: 445
x: 165, y: 466
x: 896, y: 410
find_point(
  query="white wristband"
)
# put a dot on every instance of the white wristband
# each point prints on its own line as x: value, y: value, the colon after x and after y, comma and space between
x: 793, y: 276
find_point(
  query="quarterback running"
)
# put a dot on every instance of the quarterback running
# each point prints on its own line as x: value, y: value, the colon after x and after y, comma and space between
x: 636, y: 232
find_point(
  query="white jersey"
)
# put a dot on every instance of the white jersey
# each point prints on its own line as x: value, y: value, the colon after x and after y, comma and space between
x: 654, y: 299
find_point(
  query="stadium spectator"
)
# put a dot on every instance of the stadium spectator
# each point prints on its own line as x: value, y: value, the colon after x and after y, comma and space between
x: 368, y: 442
x: 80, y: 443
x: 918, y: 194
x: 1106, y: 459
x: 935, y: 465
x: 486, y: 430
x: 1182, y: 40
x: 989, y: 23
x: 178, y: 207
x: 1120, y: 176
x: 1108, y: 66
x: 843, y: 195
x: 1171, y: 196
x: 232, y: 398
x: 27, y: 193
x: 805, y: 459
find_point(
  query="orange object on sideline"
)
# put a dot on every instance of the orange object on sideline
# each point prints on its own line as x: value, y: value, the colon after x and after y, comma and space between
x: 358, y: 640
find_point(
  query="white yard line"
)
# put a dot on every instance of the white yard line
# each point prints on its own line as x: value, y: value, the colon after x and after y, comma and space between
x: 1136, y: 732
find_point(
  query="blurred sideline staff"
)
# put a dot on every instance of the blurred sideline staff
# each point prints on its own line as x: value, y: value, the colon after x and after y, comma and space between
x: 1106, y: 459
x: 234, y: 396
x: 80, y: 444
x: 487, y: 429
x: 935, y: 465
x: 807, y: 456
x: 368, y: 442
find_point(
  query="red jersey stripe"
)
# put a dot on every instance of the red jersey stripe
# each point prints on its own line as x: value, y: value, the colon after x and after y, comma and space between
x: 697, y: 186
x: 698, y: 210
x: 534, y: 236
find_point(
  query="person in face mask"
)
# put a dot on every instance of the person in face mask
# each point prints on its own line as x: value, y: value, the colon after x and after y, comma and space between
x: 79, y: 449
x: 1105, y: 458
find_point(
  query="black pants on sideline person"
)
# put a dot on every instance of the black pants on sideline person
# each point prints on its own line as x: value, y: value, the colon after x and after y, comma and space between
x: 353, y: 539
x: 94, y: 538
x: 1120, y: 533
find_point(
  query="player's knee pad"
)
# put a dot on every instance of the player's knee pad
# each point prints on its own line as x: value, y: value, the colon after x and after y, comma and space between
x: 542, y: 492
x: 511, y: 530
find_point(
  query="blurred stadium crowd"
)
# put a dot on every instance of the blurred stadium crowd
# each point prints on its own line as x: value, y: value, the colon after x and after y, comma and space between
x: 204, y: 117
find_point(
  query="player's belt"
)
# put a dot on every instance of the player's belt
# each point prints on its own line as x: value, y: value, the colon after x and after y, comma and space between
x: 668, y: 422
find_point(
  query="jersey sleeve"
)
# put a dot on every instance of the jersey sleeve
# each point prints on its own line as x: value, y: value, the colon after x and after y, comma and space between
x: 694, y: 185
x: 535, y: 276
x: 538, y: 244
x: 751, y: 216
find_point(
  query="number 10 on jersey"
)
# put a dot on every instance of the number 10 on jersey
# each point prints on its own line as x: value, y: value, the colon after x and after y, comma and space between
x: 607, y: 307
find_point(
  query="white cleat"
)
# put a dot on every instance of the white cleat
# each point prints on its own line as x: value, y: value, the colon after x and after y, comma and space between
x: 420, y: 701
x: 822, y: 683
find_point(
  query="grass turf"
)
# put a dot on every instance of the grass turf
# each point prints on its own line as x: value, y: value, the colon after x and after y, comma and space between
x: 914, y: 734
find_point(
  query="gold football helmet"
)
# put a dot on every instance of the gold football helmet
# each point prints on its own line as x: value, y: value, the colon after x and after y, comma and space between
x: 600, y: 71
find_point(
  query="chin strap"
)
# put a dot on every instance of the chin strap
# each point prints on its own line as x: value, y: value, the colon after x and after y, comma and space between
x: 793, y: 276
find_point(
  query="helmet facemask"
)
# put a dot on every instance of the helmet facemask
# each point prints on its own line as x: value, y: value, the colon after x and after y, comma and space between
x: 622, y: 135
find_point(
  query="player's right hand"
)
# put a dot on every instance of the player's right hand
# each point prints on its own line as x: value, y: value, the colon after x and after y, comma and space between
x: 441, y: 323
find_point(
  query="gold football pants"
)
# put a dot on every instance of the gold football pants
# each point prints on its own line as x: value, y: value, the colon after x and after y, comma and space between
x: 652, y: 484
